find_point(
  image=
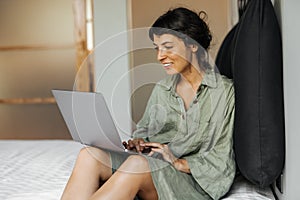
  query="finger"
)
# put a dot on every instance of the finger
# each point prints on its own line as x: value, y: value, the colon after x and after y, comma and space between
x: 157, y: 150
x: 141, y: 146
x: 130, y: 144
x: 141, y: 141
x: 125, y: 144
x: 153, y: 144
x: 151, y: 153
x: 138, y: 148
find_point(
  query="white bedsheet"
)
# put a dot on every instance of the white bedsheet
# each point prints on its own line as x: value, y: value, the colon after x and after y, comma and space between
x: 244, y: 190
x: 35, y: 170
x: 39, y: 170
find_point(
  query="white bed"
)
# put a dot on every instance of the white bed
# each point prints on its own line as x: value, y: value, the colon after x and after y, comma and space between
x: 39, y: 170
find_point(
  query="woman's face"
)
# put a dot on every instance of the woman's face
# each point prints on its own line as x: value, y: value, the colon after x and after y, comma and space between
x: 172, y: 53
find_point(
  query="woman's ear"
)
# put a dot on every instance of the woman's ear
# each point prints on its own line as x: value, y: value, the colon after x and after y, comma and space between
x: 194, y: 48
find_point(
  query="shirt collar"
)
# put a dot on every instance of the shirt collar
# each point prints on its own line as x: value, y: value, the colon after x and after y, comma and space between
x: 209, y: 80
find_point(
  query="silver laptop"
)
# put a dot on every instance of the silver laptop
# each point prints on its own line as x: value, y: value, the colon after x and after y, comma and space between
x: 88, y: 119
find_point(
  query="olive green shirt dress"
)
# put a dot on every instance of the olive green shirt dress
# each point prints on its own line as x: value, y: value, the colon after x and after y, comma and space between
x: 201, y: 134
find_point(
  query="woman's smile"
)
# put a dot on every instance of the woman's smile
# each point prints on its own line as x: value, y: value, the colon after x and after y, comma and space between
x: 167, y: 66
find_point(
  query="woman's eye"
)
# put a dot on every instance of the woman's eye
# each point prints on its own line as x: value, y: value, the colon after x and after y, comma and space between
x: 163, y: 49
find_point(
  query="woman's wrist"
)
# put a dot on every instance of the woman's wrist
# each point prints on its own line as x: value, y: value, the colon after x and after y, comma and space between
x: 181, y: 165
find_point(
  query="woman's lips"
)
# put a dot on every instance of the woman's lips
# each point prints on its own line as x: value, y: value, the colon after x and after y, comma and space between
x: 167, y: 65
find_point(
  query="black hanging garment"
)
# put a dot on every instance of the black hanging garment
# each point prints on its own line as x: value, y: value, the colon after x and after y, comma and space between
x: 251, y: 54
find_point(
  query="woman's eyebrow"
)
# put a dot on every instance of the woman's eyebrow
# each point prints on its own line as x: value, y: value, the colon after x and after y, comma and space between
x: 164, y: 43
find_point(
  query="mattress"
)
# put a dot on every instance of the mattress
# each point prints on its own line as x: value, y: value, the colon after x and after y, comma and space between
x: 39, y: 169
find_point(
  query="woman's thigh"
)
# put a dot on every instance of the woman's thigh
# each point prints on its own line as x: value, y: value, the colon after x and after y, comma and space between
x: 134, y: 169
x: 96, y: 160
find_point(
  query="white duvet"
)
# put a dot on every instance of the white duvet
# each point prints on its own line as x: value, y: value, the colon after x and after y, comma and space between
x: 39, y: 170
x: 35, y: 169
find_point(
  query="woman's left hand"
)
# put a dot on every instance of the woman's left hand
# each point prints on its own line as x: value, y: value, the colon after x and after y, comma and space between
x: 163, y: 149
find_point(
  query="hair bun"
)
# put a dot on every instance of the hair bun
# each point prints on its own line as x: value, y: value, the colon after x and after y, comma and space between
x: 202, y: 14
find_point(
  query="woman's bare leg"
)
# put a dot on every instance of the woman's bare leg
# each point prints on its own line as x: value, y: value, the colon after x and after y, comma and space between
x: 92, y: 166
x: 133, y: 177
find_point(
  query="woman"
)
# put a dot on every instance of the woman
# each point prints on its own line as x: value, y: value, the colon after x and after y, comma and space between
x: 186, y: 128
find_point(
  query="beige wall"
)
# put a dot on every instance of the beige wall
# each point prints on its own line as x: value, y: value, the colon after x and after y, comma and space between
x: 37, y: 54
x: 144, y: 13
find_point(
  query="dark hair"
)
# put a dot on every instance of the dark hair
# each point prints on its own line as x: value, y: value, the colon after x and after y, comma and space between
x: 185, y: 24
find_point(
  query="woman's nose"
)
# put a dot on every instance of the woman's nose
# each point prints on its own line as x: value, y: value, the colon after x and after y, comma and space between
x: 161, y: 54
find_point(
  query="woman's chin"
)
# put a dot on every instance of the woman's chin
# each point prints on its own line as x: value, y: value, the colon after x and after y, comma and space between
x: 171, y: 71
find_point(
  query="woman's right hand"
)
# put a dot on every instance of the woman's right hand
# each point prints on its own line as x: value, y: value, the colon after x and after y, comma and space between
x: 134, y: 145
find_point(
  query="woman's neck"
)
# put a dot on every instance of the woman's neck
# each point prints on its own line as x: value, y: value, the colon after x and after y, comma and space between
x: 193, y: 77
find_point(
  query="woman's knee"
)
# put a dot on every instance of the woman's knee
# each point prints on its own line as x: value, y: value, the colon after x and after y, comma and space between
x: 94, y: 155
x: 135, y: 164
x: 94, y: 159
